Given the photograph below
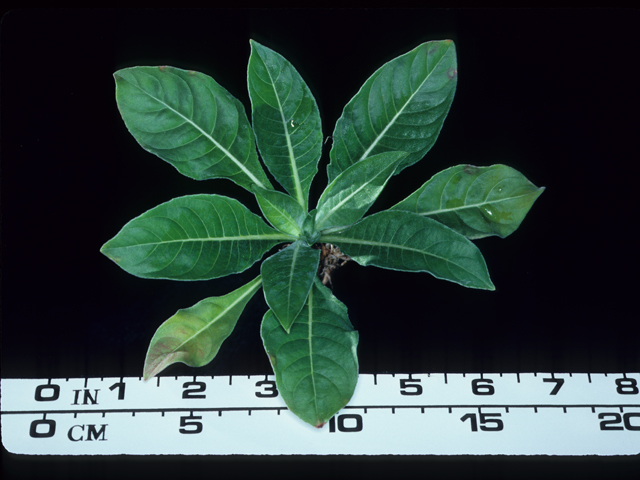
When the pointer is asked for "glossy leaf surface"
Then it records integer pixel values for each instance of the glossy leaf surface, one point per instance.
(405, 241)
(475, 201)
(282, 211)
(351, 194)
(288, 276)
(286, 121)
(190, 121)
(316, 364)
(401, 107)
(193, 335)
(196, 237)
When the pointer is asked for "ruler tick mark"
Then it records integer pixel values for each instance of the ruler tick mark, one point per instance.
(606, 410)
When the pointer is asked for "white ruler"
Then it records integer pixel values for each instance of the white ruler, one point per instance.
(418, 414)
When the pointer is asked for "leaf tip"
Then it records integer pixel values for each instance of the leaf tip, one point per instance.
(254, 45)
(320, 424)
(107, 253)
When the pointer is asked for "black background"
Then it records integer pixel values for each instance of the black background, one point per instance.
(552, 93)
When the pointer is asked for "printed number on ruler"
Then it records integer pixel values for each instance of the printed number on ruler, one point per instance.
(429, 413)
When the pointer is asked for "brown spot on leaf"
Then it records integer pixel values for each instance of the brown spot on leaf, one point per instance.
(192, 72)
(470, 169)
(452, 72)
(162, 68)
(320, 425)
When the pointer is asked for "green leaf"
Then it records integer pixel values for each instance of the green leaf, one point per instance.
(282, 211)
(193, 335)
(351, 194)
(405, 241)
(286, 121)
(309, 231)
(401, 107)
(288, 276)
(316, 364)
(196, 237)
(475, 201)
(190, 121)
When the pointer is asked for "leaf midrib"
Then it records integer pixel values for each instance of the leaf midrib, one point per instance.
(474, 205)
(338, 240)
(292, 159)
(282, 237)
(336, 207)
(310, 339)
(250, 292)
(291, 277)
(208, 136)
(395, 117)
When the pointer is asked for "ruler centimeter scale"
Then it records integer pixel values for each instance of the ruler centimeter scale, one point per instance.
(404, 414)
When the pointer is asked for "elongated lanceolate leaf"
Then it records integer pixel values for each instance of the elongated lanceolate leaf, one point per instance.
(475, 201)
(351, 194)
(286, 121)
(316, 364)
(401, 107)
(197, 237)
(193, 335)
(408, 242)
(288, 276)
(282, 211)
(190, 121)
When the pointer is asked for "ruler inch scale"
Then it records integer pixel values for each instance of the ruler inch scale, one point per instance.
(402, 414)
